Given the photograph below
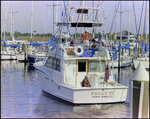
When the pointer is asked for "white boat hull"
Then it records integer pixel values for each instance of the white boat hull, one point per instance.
(8, 57)
(82, 95)
(20, 57)
(114, 64)
(145, 62)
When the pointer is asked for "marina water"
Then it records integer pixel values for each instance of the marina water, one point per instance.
(22, 96)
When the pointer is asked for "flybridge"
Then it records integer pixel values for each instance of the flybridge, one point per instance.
(80, 24)
(84, 10)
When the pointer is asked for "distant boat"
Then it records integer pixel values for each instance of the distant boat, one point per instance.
(125, 60)
(144, 55)
(11, 52)
(62, 73)
(143, 58)
(34, 52)
(35, 55)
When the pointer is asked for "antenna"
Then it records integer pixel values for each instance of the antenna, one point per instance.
(53, 13)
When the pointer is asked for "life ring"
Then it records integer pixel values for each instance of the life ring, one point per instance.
(77, 52)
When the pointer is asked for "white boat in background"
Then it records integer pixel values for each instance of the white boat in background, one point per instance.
(123, 64)
(125, 59)
(145, 62)
(131, 41)
(144, 54)
(36, 51)
(11, 53)
(62, 73)
(35, 55)
(143, 58)
(8, 55)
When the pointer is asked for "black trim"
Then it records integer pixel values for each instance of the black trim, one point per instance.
(83, 11)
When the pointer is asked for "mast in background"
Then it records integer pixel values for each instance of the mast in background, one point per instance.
(120, 21)
(128, 21)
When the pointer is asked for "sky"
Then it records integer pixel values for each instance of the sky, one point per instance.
(43, 15)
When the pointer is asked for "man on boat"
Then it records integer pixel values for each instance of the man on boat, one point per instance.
(85, 82)
(99, 44)
(85, 36)
(93, 44)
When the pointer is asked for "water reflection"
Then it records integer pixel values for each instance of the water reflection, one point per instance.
(30, 67)
(22, 96)
(49, 107)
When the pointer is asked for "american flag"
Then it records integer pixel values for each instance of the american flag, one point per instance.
(107, 74)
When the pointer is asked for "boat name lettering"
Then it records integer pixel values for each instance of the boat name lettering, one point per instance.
(102, 93)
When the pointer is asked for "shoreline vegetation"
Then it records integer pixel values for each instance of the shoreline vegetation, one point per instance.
(45, 39)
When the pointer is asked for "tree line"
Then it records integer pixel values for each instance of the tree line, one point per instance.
(27, 34)
(45, 35)
(50, 35)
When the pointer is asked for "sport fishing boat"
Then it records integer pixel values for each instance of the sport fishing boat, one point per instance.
(66, 66)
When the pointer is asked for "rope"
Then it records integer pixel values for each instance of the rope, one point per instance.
(144, 28)
(139, 27)
(113, 18)
(135, 17)
(67, 19)
(96, 15)
(78, 20)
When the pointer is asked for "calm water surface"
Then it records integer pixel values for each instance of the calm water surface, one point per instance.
(22, 96)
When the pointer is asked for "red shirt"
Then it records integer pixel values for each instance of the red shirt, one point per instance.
(85, 36)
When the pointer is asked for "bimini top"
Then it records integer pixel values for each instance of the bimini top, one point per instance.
(80, 24)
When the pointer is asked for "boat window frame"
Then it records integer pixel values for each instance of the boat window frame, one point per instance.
(54, 63)
(85, 66)
(58, 64)
(97, 61)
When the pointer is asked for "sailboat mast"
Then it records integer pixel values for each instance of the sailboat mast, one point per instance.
(11, 25)
(146, 24)
(82, 17)
(4, 20)
(93, 20)
(56, 13)
(53, 18)
(102, 18)
(13, 21)
(120, 21)
(31, 19)
(128, 21)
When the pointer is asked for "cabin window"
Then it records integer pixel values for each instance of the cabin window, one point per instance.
(58, 64)
(95, 66)
(54, 63)
(49, 62)
(82, 66)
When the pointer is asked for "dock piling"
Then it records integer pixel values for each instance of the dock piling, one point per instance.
(139, 93)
